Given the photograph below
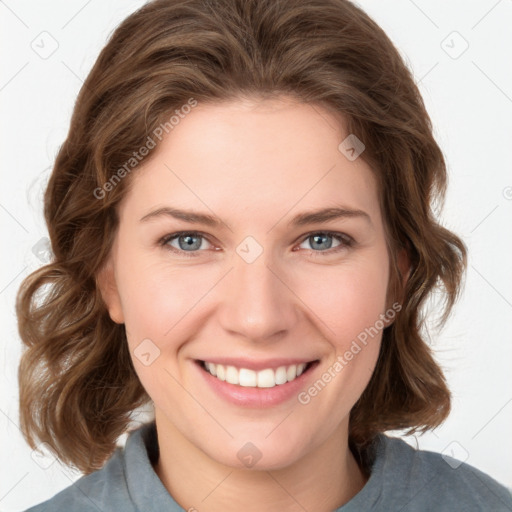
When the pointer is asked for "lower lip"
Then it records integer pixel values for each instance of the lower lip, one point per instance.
(256, 397)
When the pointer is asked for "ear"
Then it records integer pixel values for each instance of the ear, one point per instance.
(106, 283)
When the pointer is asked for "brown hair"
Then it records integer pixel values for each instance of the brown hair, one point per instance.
(77, 382)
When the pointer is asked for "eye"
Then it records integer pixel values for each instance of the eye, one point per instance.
(321, 242)
(185, 242)
(191, 243)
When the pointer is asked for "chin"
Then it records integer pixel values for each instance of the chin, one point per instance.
(255, 453)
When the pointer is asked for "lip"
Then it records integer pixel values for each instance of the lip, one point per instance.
(252, 396)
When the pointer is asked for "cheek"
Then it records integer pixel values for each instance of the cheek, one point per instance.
(155, 297)
(158, 303)
(346, 299)
(348, 302)
(163, 310)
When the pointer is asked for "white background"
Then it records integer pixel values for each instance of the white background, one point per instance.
(470, 101)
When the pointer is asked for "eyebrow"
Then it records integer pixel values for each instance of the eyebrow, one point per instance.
(327, 214)
(302, 219)
(185, 215)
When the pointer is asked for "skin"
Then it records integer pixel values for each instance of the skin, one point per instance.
(254, 164)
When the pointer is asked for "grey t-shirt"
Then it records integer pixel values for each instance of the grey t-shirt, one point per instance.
(402, 479)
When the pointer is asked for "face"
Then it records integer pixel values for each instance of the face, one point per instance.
(219, 260)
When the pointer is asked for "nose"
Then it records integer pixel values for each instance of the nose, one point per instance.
(258, 305)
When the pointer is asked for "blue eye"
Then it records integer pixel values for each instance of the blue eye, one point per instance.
(188, 242)
(322, 242)
(192, 243)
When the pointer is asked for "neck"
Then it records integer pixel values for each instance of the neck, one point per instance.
(323, 480)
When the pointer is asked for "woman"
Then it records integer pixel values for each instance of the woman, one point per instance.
(242, 232)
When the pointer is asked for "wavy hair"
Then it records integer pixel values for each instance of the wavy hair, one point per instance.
(78, 386)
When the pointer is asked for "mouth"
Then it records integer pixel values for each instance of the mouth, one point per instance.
(263, 378)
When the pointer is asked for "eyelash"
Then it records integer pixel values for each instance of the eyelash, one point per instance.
(345, 240)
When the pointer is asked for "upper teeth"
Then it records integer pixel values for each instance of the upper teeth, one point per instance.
(267, 378)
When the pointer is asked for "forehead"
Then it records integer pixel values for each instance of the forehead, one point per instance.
(265, 157)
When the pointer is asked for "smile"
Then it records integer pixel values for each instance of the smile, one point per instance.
(265, 378)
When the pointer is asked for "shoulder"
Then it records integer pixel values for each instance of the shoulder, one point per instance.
(120, 485)
(126, 483)
(104, 489)
(424, 480)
